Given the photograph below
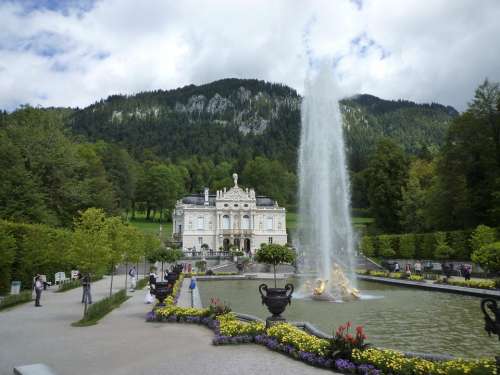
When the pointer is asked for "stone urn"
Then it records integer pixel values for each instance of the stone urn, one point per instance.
(276, 300)
(172, 277)
(161, 291)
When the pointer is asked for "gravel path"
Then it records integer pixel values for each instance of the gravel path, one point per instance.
(123, 343)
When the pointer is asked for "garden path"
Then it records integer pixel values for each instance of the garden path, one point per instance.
(122, 343)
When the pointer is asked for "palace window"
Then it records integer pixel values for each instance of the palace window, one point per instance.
(270, 240)
(226, 205)
(246, 205)
(201, 223)
(269, 223)
(235, 205)
(190, 225)
(200, 240)
(245, 222)
(225, 222)
(279, 225)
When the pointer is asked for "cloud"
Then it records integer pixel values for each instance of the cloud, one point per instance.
(86, 50)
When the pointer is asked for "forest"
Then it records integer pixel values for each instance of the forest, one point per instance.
(414, 167)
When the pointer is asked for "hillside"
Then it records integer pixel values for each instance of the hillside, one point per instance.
(239, 119)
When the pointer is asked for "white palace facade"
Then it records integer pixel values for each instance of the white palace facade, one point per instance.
(229, 217)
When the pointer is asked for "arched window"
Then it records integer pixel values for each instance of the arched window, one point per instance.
(225, 222)
(245, 222)
(269, 223)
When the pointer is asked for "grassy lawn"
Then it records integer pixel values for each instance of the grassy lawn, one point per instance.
(292, 219)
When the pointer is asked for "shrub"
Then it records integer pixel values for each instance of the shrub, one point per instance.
(8, 246)
(459, 244)
(367, 246)
(15, 299)
(488, 257)
(481, 236)
(385, 246)
(407, 246)
(99, 309)
(274, 255)
(443, 250)
(481, 284)
(428, 246)
(416, 278)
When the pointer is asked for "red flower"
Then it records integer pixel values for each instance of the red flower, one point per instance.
(359, 329)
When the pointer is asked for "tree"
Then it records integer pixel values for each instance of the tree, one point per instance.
(413, 213)
(481, 236)
(115, 230)
(488, 257)
(165, 254)
(274, 255)
(90, 243)
(387, 174)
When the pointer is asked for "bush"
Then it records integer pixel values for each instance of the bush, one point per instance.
(443, 250)
(458, 242)
(488, 257)
(99, 309)
(407, 246)
(481, 284)
(481, 236)
(385, 246)
(8, 246)
(15, 299)
(367, 247)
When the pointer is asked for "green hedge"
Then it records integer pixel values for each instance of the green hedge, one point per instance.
(99, 309)
(417, 246)
(32, 249)
(15, 299)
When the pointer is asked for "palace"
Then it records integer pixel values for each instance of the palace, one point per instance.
(230, 217)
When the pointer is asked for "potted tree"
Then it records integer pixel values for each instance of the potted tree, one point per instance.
(275, 298)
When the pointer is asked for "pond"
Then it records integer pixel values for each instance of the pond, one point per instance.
(394, 317)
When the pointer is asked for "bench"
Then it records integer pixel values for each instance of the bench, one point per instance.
(60, 277)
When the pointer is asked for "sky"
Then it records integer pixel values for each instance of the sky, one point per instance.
(75, 52)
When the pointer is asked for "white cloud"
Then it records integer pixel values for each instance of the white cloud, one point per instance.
(421, 51)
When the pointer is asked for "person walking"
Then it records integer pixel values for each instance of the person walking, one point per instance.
(38, 290)
(87, 296)
(133, 274)
(418, 268)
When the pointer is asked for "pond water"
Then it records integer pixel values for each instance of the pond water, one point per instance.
(394, 317)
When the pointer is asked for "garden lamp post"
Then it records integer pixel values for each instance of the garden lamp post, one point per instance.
(489, 306)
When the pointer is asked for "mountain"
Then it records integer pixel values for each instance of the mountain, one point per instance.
(240, 119)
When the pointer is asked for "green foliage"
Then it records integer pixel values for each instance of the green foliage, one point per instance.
(90, 243)
(387, 174)
(488, 257)
(99, 309)
(459, 244)
(481, 236)
(165, 254)
(428, 246)
(443, 250)
(367, 246)
(8, 253)
(38, 249)
(407, 246)
(385, 248)
(201, 265)
(15, 299)
(274, 254)
(73, 284)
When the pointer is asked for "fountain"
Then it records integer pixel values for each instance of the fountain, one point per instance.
(325, 237)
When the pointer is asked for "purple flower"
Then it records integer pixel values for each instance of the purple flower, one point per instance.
(345, 365)
(150, 316)
(365, 369)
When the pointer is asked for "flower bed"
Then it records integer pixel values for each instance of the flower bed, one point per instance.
(290, 340)
(391, 275)
(481, 284)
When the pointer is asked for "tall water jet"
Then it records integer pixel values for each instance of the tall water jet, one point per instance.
(325, 236)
